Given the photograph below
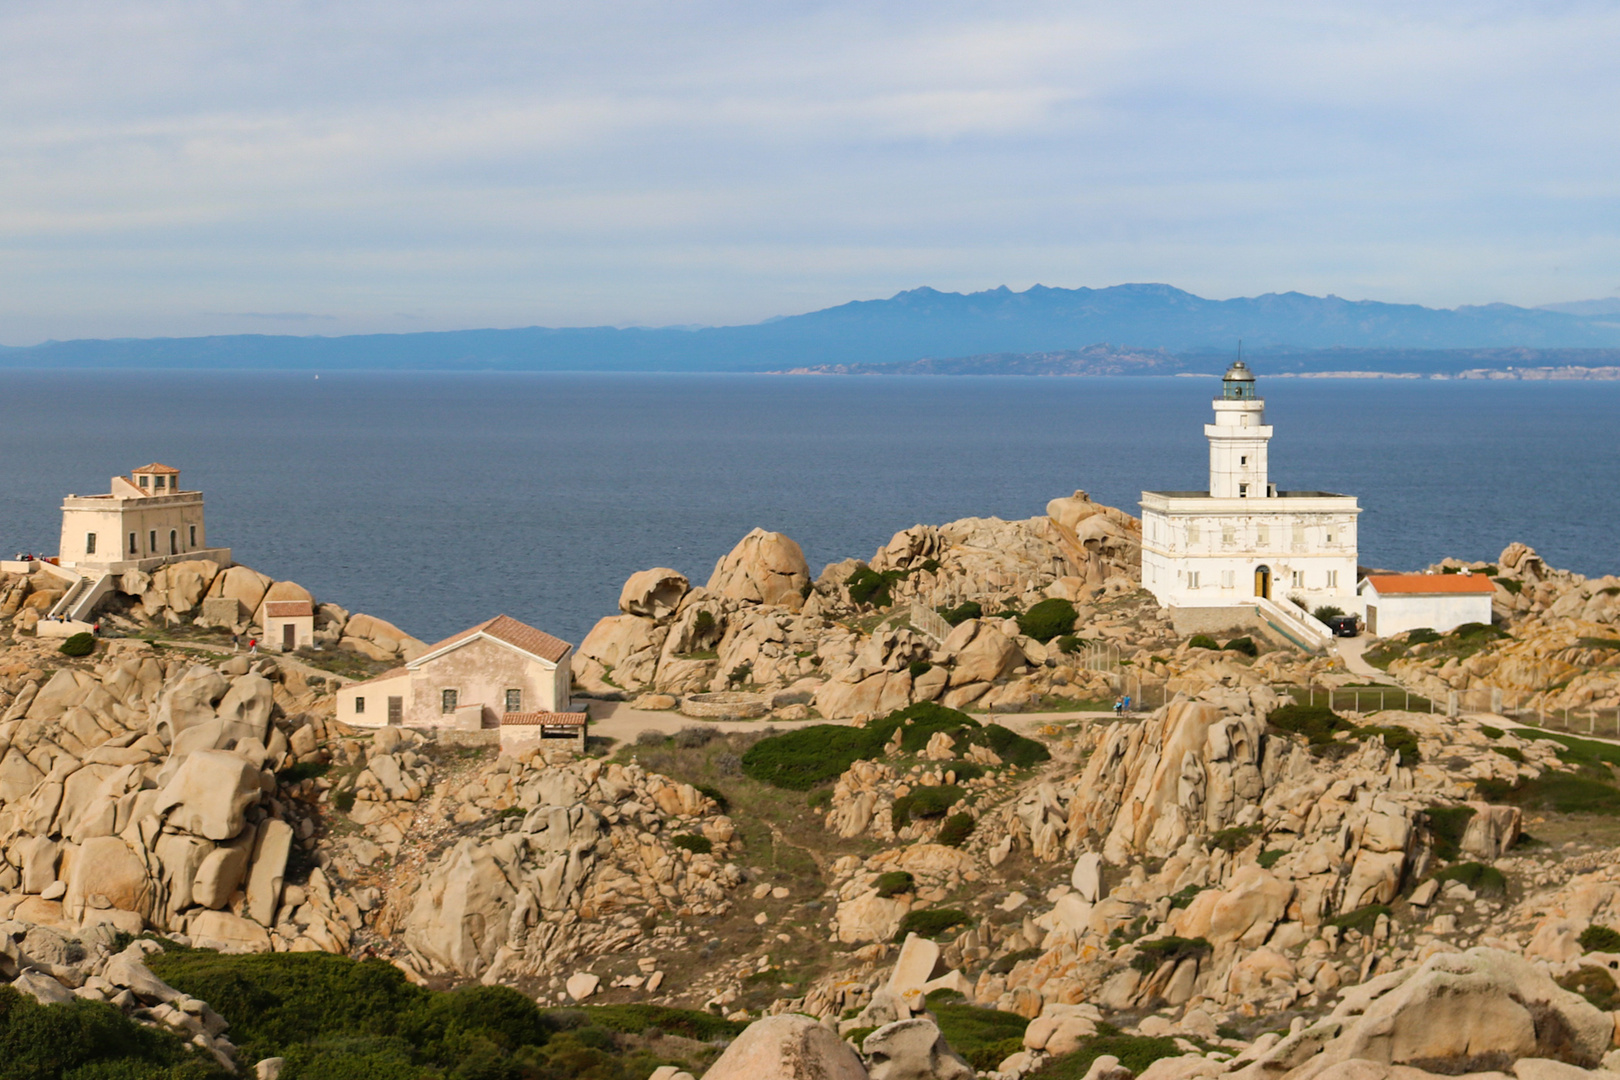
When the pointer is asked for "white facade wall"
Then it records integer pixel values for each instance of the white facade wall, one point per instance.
(152, 521)
(1205, 552)
(1397, 613)
(1237, 449)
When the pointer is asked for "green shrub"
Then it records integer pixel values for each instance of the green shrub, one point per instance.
(716, 794)
(918, 668)
(1594, 984)
(1234, 839)
(962, 612)
(1068, 644)
(799, 760)
(1202, 641)
(930, 922)
(1512, 586)
(895, 882)
(344, 800)
(1402, 740)
(1012, 747)
(1004, 965)
(92, 1040)
(1184, 896)
(1326, 612)
(868, 586)
(1512, 753)
(1152, 954)
(1269, 857)
(1484, 880)
(1447, 824)
(78, 645)
(1597, 938)
(1471, 630)
(986, 1037)
(702, 622)
(1244, 645)
(956, 830)
(697, 845)
(1135, 1052)
(924, 802)
(687, 1023)
(1047, 620)
(967, 770)
(820, 799)
(1362, 919)
(1564, 792)
(1316, 722)
(303, 770)
(1421, 636)
(1491, 732)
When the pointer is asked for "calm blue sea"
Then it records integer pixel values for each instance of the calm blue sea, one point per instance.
(438, 500)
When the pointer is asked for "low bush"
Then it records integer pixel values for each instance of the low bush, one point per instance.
(1234, 839)
(802, 759)
(694, 737)
(1047, 620)
(91, 1040)
(918, 668)
(1597, 938)
(1068, 644)
(922, 803)
(697, 845)
(716, 794)
(1005, 964)
(1484, 880)
(1244, 645)
(1447, 824)
(1270, 857)
(1202, 641)
(1512, 753)
(930, 922)
(1512, 586)
(1362, 919)
(1470, 631)
(303, 770)
(687, 1023)
(1184, 896)
(1491, 732)
(1421, 636)
(961, 613)
(1563, 792)
(895, 882)
(78, 645)
(651, 737)
(1326, 612)
(1594, 984)
(956, 830)
(344, 800)
(1402, 740)
(868, 586)
(1155, 952)
(1317, 723)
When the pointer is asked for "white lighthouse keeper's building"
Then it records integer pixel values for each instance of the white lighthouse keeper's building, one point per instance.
(1242, 540)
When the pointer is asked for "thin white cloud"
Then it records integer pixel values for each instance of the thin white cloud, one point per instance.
(164, 162)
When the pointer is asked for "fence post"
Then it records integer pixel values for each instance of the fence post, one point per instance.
(1451, 703)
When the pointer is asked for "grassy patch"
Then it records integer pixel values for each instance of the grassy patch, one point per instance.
(1577, 751)
(895, 882)
(1048, 619)
(1599, 939)
(956, 830)
(1563, 792)
(1484, 880)
(633, 1019)
(1234, 839)
(986, 1037)
(961, 613)
(1135, 1052)
(697, 845)
(1317, 723)
(922, 803)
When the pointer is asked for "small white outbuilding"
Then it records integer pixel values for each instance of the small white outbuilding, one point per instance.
(1397, 603)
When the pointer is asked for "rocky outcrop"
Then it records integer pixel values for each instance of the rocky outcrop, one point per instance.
(764, 568)
(787, 1047)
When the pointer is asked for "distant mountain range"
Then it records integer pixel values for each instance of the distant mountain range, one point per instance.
(1162, 326)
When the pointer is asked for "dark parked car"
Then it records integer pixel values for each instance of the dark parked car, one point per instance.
(1342, 625)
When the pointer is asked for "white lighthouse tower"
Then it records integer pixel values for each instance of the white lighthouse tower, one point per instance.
(1241, 542)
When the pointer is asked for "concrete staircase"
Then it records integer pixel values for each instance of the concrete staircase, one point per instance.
(82, 596)
(1295, 623)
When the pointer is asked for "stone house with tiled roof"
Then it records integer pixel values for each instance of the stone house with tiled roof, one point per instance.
(502, 675)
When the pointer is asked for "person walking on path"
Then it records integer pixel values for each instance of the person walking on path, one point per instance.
(1119, 706)
(253, 646)
(236, 643)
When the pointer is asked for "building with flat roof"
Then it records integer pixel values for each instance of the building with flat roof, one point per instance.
(145, 521)
(1242, 541)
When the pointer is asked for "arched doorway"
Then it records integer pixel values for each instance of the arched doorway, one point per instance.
(1262, 582)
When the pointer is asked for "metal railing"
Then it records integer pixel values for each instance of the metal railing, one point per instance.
(927, 621)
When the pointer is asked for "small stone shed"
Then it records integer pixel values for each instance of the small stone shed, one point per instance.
(288, 625)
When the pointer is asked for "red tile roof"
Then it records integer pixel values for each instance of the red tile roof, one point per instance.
(514, 633)
(549, 719)
(287, 609)
(1431, 584)
(155, 467)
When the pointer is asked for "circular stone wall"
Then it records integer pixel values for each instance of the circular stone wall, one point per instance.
(725, 705)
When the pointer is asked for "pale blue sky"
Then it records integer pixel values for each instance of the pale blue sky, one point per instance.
(333, 167)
